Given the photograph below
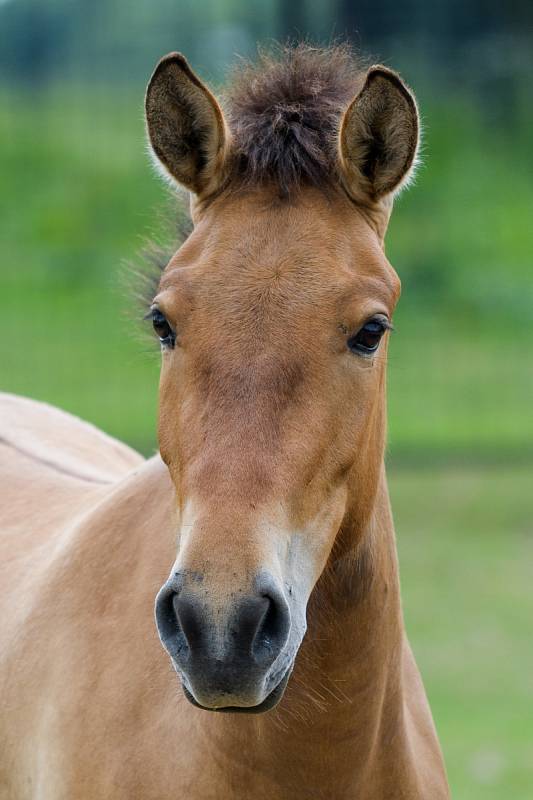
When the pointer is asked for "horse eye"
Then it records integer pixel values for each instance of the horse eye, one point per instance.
(167, 336)
(367, 339)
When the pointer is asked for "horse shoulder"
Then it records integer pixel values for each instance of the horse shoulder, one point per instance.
(80, 662)
(52, 467)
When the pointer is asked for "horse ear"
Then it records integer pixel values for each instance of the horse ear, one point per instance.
(379, 136)
(186, 126)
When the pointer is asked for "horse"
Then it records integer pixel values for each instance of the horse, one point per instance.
(262, 529)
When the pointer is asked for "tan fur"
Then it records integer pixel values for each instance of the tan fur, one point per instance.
(273, 435)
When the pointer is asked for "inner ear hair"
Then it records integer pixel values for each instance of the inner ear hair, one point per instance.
(185, 125)
(379, 135)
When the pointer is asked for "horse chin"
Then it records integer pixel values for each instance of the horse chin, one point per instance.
(270, 701)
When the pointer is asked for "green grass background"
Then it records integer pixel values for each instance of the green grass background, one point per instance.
(79, 200)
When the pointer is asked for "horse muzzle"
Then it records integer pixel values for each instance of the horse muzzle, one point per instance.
(231, 655)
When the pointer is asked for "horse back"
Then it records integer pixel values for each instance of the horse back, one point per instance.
(55, 440)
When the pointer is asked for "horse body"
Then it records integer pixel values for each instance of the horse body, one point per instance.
(281, 613)
(89, 703)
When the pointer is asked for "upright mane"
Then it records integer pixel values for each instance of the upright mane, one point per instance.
(284, 112)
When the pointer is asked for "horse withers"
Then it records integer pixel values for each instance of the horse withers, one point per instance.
(264, 527)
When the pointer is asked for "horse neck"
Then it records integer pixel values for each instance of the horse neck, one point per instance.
(355, 626)
(342, 717)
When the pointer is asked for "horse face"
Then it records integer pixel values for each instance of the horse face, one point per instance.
(271, 423)
(273, 319)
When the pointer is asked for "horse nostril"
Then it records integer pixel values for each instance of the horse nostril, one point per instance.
(188, 619)
(272, 629)
(168, 623)
(195, 634)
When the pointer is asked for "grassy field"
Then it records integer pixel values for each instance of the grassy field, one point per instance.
(465, 540)
(79, 200)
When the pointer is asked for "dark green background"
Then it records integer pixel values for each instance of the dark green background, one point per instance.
(79, 200)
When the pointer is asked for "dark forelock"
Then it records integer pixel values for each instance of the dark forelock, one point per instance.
(284, 112)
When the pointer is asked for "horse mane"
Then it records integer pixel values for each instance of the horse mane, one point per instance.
(140, 276)
(284, 112)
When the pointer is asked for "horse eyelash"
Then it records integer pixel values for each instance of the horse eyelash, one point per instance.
(149, 314)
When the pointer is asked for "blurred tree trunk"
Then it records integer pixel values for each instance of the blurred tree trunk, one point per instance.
(347, 18)
(367, 19)
(292, 19)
